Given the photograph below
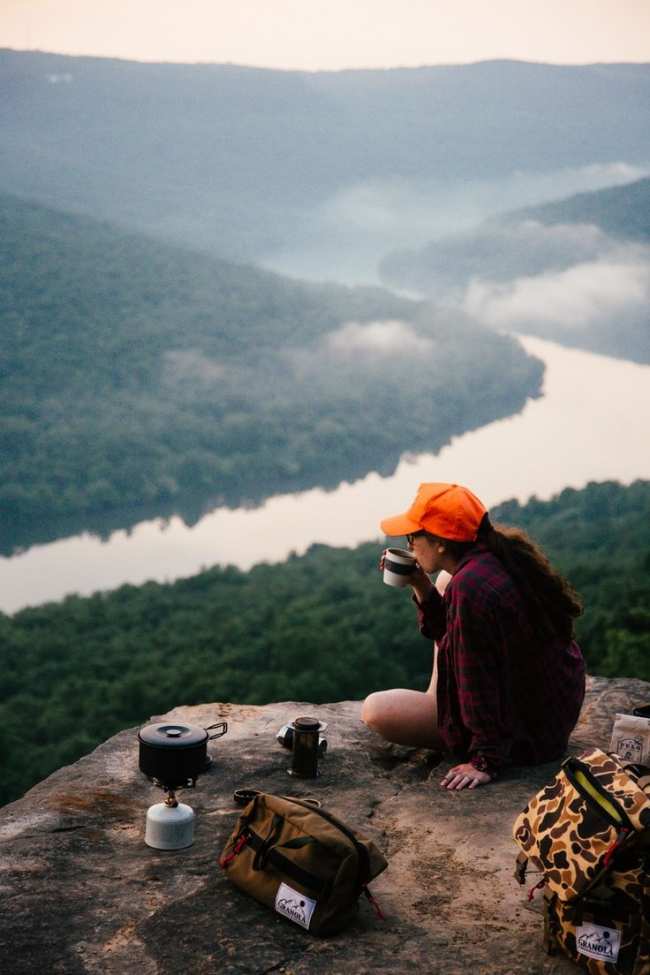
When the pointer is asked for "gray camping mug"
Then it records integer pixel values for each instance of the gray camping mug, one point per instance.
(399, 565)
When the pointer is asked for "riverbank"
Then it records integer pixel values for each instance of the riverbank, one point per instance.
(584, 427)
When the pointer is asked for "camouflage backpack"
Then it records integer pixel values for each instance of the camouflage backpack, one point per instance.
(587, 834)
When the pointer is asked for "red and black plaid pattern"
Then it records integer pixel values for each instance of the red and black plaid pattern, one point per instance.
(506, 695)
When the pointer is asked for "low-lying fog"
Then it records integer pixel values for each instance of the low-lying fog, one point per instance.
(464, 246)
(346, 238)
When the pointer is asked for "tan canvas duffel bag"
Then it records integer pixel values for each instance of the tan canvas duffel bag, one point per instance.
(301, 861)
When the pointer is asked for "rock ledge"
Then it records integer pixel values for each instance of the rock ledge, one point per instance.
(82, 894)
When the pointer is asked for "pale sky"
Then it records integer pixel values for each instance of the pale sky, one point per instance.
(332, 34)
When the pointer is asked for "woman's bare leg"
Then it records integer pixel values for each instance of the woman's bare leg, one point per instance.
(402, 716)
(442, 581)
(408, 717)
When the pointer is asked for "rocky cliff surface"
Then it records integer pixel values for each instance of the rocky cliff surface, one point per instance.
(81, 894)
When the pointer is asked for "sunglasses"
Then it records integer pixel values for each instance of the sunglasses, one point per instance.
(409, 538)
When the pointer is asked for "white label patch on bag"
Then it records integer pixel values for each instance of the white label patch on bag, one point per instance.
(297, 907)
(598, 942)
(630, 749)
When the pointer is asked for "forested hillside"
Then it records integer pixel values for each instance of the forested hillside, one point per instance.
(317, 628)
(136, 372)
(620, 210)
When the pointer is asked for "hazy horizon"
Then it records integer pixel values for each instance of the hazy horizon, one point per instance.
(295, 70)
(311, 36)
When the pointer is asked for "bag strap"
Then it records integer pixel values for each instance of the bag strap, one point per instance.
(286, 866)
(521, 867)
(261, 847)
(550, 938)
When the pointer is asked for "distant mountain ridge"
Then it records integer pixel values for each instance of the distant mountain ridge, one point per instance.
(234, 159)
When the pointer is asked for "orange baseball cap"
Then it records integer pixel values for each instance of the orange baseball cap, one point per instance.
(447, 510)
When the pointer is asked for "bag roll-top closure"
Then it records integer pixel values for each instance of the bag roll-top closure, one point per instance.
(613, 785)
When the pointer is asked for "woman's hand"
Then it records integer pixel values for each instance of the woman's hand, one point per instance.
(419, 581)
(465, 777)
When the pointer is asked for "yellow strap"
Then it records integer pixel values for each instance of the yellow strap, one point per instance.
(609, 808)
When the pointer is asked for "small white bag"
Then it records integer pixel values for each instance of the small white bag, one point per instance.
(631, 739)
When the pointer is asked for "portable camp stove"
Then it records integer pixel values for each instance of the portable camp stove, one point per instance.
(172, 756)
(170, 824)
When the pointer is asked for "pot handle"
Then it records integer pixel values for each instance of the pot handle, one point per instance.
(221, 725)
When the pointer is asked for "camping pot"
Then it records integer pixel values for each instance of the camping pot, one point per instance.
(175, 754)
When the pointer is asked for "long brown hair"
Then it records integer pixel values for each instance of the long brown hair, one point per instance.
(551, 602)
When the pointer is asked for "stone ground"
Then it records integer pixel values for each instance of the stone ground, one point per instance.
(81, 894)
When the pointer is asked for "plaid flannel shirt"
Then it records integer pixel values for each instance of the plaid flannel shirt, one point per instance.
(504, 694)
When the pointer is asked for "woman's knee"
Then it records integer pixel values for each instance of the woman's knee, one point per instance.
(402, 716)
(373, 709)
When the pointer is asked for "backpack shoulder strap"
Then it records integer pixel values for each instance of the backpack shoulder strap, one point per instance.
(521, 866)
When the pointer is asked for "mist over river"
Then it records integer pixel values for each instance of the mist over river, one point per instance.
(591, 424)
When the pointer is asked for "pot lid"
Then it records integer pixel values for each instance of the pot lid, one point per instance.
(306, 724)
(172, 735)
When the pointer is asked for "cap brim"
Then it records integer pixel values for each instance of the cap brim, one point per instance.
(399, 525)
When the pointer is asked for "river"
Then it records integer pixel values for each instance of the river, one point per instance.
(590, 425)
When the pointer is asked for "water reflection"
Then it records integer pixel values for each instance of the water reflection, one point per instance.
(19, 537)
(586, 427)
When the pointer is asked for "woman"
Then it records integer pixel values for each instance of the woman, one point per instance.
(510, 678)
